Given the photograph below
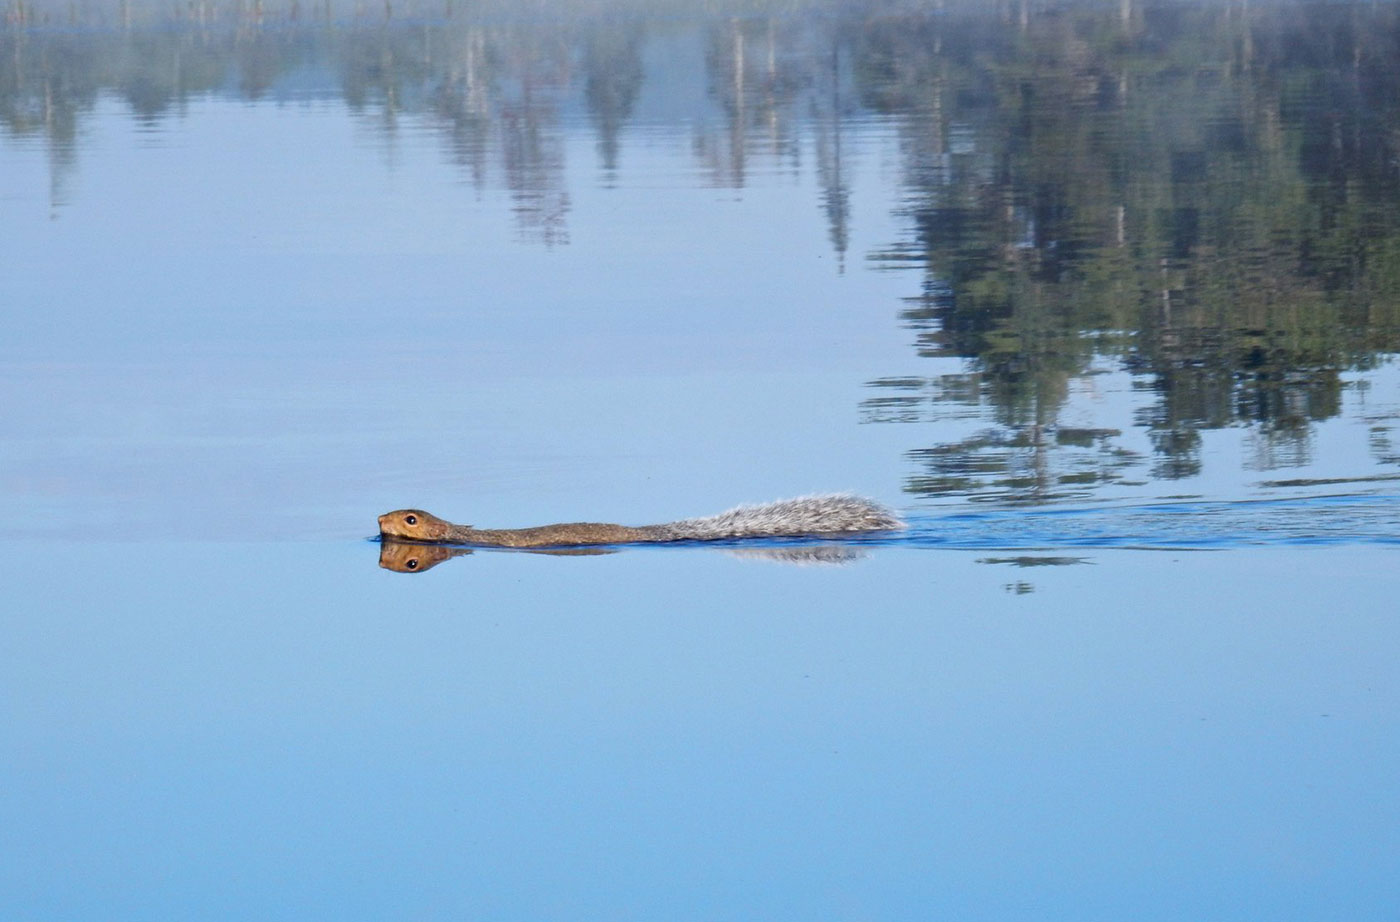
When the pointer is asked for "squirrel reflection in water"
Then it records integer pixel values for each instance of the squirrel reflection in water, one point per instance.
(431, 540)
(412, 557)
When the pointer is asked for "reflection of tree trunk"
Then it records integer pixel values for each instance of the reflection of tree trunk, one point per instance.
(836, 193)
(50, 135)
(771, 82)
(739, 116)
(613, 64)
(940, 141)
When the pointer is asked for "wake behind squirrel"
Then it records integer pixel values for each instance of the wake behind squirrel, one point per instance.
(832, 515)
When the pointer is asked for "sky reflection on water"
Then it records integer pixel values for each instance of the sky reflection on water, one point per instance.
(282, 731)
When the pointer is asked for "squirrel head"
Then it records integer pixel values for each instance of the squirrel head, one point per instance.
(413, 525)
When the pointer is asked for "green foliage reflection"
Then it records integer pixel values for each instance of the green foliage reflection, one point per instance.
(1201, 195)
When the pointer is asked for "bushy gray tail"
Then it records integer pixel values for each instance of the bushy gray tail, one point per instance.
(832, 514)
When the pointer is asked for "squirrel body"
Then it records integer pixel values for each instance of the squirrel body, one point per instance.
(807, 516)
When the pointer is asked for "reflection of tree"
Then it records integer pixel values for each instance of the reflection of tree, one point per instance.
(38, 99)
(51, 81)
(1200, 195)
(1207, 191)
(829, 111)
(1031, 462)
(766, 76)
(494, 93)
(461, 104)
(751, 80)
(496, 89)
(537, 63)
(612, 62)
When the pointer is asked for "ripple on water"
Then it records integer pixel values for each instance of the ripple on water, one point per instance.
(1368, 518)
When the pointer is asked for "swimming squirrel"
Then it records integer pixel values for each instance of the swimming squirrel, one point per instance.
(831, 515)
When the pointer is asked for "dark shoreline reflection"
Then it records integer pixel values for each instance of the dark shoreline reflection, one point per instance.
(1202, 196)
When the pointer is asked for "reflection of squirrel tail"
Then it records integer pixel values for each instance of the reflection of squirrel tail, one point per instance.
(831, 514)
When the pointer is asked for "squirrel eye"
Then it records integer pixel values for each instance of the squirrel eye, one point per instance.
(411, 519)
(412, 564)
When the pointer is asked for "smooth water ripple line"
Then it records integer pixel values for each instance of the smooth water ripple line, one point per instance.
(1312, 520)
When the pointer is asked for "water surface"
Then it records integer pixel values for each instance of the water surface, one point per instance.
(1102, 298)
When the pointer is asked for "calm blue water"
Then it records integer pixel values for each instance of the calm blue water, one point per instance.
(1102, 300)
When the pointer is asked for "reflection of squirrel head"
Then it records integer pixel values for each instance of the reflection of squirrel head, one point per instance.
(414, 525)
(415, 558)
